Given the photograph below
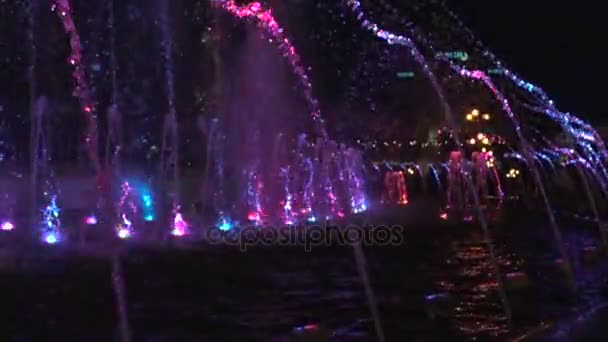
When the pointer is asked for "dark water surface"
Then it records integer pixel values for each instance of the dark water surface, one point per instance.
(437, 285)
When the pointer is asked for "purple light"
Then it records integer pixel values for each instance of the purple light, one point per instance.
(90, 220)
(7, 226)
(266, 21)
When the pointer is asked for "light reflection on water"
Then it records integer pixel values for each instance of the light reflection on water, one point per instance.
(437, 285)
(469, 280)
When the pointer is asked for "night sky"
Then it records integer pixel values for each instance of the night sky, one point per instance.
(554, 44)
(556, 47)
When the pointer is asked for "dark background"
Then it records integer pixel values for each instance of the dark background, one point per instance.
(555, 44)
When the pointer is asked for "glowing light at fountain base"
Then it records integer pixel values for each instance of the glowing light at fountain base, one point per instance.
(180, 226)
(224, 225)
(123, 233)
(124, 230)
(51, 238)
(90, 220)
(7, 226)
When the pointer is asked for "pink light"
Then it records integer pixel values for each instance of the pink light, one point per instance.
(253, 216)
(266, 21)
(180, 226)
(7, 226)
(90, 220)
(443, 216)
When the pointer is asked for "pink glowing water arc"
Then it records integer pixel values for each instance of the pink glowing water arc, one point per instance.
(266, 21)
(81, 90)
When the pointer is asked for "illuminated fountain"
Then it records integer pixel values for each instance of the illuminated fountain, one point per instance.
(266, 163)
(456, 192)
(127, 212)
(261, 169)
(395, 188)
(584, 146)
(169, 158)
(42, 177)
(485, 171)
(303, 179)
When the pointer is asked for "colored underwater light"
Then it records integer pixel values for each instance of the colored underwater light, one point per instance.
(124, 233)
(147, 200)
(51, 238)
(225, 225)
(180, 226)
(124, 229)
(148, 207)
(51, 223)
(253, 216)
(7, 226)
(360, 209)
(90, 220)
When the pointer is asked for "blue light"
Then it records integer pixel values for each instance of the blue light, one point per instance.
(148, 204)
(225, 225)
(51, 238)
(147, 200)
(312, 219)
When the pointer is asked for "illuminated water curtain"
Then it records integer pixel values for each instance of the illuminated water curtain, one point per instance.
(180, 226)
(51, 224)
(82, 90)
(583, 139)
(395, 188)
(127, 212)
(147, 206)
(266, 21)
